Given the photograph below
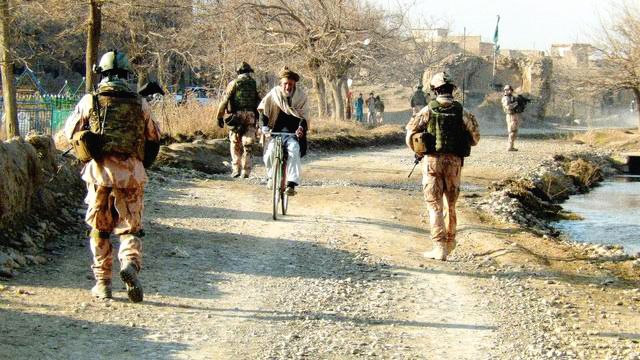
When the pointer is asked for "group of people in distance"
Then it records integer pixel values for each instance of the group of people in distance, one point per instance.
(374, 106)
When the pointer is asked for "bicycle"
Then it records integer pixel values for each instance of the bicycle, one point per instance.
(279, 174)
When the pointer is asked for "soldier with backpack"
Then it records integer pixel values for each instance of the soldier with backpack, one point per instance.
(240, 104)
(443, 132)
(114, 132)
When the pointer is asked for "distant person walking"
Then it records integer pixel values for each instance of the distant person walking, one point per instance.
(371, 109)
(509, 104)
(359, 107)
(418, 99)
(379, 105)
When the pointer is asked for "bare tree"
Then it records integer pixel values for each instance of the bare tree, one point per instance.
(6, 66)
(94, 25)
(619, 51)
(325, 38)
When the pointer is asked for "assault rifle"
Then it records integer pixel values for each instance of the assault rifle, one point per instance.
(415, 163)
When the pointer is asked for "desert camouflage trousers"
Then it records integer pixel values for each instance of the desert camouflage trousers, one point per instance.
(441, 187)
(513, 121)
(242, 143)
(119, 211)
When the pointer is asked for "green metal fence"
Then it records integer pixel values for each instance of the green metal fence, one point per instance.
(44, 115)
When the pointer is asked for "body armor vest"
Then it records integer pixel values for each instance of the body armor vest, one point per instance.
(446, 128)
(245, 97)
(117, 116)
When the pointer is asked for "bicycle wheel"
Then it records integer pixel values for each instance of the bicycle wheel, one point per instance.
(275, 178)
(284, 198)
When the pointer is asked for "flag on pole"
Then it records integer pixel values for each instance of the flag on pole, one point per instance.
(495, 34)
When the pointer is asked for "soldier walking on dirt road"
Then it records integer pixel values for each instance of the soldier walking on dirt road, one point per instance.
(115, 175)
(444, 132)
(509, 104)
(240, 103)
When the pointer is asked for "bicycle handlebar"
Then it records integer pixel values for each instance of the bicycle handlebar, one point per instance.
(271, 133)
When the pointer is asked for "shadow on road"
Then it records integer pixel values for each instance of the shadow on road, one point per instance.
(61, 337)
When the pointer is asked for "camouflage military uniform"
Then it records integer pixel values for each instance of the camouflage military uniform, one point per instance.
(509, 103)
(241, 99)
(441, 171)
(115, 187)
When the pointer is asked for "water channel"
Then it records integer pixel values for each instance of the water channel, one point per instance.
(611, 214)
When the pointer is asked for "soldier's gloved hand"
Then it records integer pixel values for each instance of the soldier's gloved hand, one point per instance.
(265, 130)
(220, 123)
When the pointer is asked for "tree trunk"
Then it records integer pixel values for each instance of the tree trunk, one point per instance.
(338, 103)
(8, 78)
(93, 42)
(161, 75)
(344, 95)
(636, 92)
(143, 77)
(329, 98)
(321, 95)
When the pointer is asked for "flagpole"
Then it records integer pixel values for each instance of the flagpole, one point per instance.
(495, 54)
(464, 64)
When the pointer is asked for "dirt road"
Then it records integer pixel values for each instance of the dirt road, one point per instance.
(340, 277)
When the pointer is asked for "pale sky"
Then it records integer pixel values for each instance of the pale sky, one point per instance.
(524, 24)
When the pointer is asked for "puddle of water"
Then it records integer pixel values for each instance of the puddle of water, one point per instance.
(611, 214)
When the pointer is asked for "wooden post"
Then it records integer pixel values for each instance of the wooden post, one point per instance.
(8, 78)
(94, 26)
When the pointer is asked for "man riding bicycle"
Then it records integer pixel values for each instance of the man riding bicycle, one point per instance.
(282, 110)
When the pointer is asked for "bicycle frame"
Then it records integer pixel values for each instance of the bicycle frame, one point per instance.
(279, 173)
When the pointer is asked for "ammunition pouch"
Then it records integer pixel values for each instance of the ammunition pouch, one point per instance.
(233, 122)
(87, 145)
(423, 143)
(151, 150)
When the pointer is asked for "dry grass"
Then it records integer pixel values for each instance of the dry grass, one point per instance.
(190, 118)
(619, 140)
(327, 128)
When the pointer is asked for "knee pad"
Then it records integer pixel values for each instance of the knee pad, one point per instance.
(99, 235)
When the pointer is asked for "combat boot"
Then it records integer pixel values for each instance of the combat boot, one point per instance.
(439, 251)
(129, 275)
(451, 245)
(102, 289)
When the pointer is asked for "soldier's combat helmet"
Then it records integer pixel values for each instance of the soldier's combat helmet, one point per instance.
(244, 68)
(507, 87)
(113, 62)
(440, 79)
(419, 87)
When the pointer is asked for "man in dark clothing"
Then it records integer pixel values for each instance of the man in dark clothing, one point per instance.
(418, 100)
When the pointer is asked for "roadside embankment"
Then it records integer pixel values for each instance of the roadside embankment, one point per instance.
(527, 204)
(532, 200)
(39, 190)
(212, 156)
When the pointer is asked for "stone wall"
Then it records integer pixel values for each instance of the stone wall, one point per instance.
(529, 75)
(40, 191)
